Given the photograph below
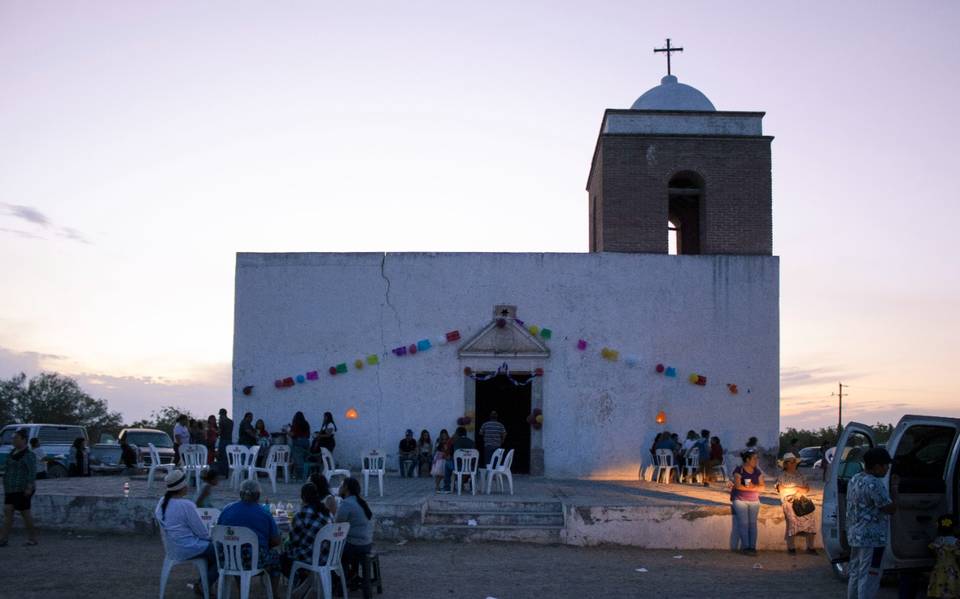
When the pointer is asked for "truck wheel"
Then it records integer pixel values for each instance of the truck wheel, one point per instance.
(56, 471)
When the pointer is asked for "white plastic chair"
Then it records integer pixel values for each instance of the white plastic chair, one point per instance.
(501, 472)
(156, 465)
(465, 462)
(274, 457)
(665, 464)
(194, 460)
(228, 541)
(691, 467)
(373, 463)
(209, 516)
(483, 474)
(330, 469)
(336, 536)
(169, 563)
(283, 461)
(237, 461)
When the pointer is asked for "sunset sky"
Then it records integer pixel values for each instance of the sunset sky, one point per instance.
(144, 144)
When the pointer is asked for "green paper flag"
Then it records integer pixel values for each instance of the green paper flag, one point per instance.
(373, 359)
(341, 368)
(546, 333)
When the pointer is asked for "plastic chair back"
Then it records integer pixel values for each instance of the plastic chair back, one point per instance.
(495, 459)
(327, 458)
(154, 455)
(664, 458)
(278, 456)
(465, 461)
(228, 541)
(336, 536)
(252, 452)
(236, 456)
(373, 461)
(507, 462)
(209, 516)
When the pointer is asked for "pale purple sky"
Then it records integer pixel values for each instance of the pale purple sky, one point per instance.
(145, 143)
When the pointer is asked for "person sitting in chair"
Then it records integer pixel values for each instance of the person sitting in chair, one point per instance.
(248, 513)
(408, 455)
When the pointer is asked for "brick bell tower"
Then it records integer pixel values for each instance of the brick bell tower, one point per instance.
(674, 175)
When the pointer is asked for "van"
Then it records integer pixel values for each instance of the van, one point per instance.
(925, 451)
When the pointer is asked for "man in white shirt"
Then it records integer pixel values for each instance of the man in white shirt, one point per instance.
(41, 458)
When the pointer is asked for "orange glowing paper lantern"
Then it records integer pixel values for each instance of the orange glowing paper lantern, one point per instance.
(661, 417)
(352, 414)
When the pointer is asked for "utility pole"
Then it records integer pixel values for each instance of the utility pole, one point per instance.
(840, 407)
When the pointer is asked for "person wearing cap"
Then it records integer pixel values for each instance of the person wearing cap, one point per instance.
(408, 455)
(187, 536)
(869, 506)
(791, 485)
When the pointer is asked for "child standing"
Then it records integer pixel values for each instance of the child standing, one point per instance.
(440, 459)
(945, 578)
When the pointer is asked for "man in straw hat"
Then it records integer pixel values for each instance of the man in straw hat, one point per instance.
(186, 534)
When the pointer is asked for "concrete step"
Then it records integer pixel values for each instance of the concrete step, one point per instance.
(494, 518)
(468, 503)
(543, 535)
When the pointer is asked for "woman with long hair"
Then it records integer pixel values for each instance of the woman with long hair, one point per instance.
(299, 442)
(326, 495)
(424, 453)
(440, 459)
(79, 464)
(327, 431)
(186, 535)
(355, 511)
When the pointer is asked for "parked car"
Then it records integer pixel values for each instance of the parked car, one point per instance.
(55, 440)
(925, 451)
(808, 456)
(141, 439)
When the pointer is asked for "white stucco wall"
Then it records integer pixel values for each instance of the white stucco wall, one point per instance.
(715, 315)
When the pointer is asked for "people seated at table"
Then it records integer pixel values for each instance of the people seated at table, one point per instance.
(354, 511)
(312, 517)
(187, 536)
(424, 453)
(408, 455)
(248, 513)
(326, 495)
(460, 440)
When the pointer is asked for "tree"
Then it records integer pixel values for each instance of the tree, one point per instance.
(57, 399)
(163, 419)
(807, 438)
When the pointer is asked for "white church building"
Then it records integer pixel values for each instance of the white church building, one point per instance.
(669, 322)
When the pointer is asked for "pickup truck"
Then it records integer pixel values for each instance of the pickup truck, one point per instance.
(926, 466)
(55, 440)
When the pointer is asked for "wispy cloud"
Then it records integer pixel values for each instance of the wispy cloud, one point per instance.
(39, 221)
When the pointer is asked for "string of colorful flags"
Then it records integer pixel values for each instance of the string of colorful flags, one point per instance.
(424, 345)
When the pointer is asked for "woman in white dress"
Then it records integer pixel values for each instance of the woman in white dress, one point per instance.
(791, 484)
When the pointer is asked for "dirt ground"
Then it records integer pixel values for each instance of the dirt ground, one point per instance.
(125, 566)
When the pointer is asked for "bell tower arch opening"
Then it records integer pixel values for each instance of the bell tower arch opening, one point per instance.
(685, 192)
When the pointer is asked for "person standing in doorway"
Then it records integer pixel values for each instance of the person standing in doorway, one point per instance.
(494, 434)
(869, 506)
(225, 426)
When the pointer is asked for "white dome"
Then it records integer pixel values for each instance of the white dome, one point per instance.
(672, 95)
